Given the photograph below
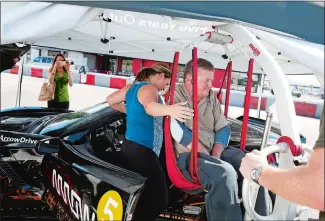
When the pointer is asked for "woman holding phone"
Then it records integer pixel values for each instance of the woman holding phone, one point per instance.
(60, 74)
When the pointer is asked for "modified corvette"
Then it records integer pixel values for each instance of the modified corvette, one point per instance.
(66, 165)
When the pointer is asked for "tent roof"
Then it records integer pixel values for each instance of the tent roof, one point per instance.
(145, 35)
(302, 19)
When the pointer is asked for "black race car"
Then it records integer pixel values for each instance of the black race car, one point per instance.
(66, 165)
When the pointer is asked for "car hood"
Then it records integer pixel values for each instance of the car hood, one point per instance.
(254, 133)
(62, 124)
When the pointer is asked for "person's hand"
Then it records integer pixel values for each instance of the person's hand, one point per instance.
(67, 65)
(56, 64)
(251, 161)
(181, 113)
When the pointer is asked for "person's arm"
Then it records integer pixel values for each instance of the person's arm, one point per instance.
(221, 141)
(70, 79)
(51, 74)
(148, 97)
(303, 185)
(221, 129)
(67, 67)
(116, 98)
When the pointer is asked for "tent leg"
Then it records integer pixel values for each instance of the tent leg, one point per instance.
(228, 73)
(20, 80)
(260, 92)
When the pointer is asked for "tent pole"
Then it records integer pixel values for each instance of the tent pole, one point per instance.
(260, 92)
(229, 72)
(20, 79)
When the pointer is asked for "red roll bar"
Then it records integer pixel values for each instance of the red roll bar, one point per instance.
(174, 173)
(247, 104)
(227, 75)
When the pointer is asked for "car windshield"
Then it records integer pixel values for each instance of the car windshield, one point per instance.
(76, 119)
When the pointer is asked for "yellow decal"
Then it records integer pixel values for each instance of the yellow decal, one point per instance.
(110, 207)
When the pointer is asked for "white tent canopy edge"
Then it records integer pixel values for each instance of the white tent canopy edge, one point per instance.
(136, 35)
(37, 22)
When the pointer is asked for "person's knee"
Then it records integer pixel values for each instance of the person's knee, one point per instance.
(225, 177)
(231, 172)
(223, 191)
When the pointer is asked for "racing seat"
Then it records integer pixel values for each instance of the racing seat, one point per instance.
(194, 192)
(174, 173)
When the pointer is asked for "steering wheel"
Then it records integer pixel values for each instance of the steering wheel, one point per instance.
(109, 133)
(246, 190)
(114, 134)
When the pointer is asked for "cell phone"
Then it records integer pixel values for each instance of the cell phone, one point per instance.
(63, 62)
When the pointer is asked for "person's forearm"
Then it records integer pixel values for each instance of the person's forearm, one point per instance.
(157, 110)
(51, 78)
(303, 185)
(70, 79)
(119, 107)
(217, 150)
(201, 148)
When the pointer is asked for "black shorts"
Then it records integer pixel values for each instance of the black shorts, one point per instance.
(58, 105)
(144, 161)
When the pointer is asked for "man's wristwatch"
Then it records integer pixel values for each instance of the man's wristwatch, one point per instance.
(256, 173)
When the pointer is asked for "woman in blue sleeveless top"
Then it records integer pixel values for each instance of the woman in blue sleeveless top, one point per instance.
(144, 134)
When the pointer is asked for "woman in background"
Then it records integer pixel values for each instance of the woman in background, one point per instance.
(60, 74)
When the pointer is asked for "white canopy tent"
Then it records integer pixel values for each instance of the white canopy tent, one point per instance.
(157, 37)
(141, 35)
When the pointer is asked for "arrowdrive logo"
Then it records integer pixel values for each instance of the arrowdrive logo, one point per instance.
(17, 139)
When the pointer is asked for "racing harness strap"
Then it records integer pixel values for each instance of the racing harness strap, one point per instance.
(174, 173)
(194, 171)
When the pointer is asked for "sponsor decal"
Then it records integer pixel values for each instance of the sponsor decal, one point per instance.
(133, 20)
(110, 207)
(79, 209)
(255, 50)
(17, 139)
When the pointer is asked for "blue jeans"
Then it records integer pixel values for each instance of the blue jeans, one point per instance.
(223, 180)
(219, 178)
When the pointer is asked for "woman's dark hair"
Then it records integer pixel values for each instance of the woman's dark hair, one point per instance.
(162, 68)
(55, 58)
(145, 73)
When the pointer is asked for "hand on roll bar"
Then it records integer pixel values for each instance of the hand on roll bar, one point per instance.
(256, 159)
(252, 160)
(254, 167)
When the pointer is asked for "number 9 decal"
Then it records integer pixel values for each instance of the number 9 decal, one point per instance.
(110, 207)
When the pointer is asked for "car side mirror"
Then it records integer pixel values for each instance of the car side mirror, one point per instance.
(48, 145)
